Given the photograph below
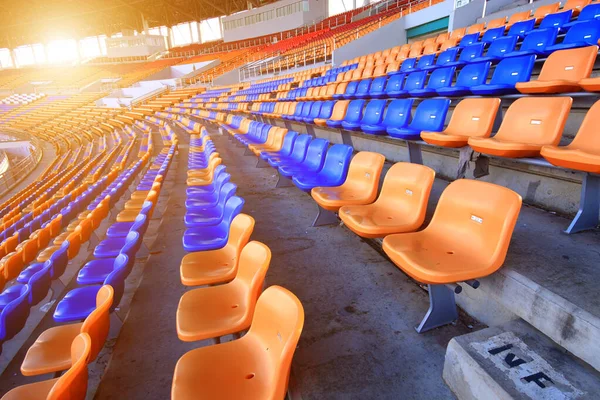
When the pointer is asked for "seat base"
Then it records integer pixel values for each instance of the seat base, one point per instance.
(442, 308)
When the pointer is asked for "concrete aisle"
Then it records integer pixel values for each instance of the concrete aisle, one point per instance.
(358, 340)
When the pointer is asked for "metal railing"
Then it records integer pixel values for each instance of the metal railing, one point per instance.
(20, 170)
(149, 96)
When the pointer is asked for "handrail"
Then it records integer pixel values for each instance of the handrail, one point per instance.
(148, 96)
(19, 171)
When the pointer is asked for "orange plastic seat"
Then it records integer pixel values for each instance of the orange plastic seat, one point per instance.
(216, 311)
(475, 28)
(12, 264)
(400, 207)
(471, 118)
(218, 266)
(457, 33)
(360, 186)
(518, 17)
(273, 143)
(562, 71)
(257, 366)
(337, 114)
(542, 11)
(72, 385)
(529, 124)
(583, 153)
(575, 6)
(51, 351)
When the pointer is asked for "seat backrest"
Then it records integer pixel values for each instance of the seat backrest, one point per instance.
(276, 326)
(447, 56)
(589, 12)
(569, 65)
(511, 70)
(395, 83)
(502, 45)
(315, 154)
(378, 85)
(483, 212)
(415, 80)
(476, 28)
(542, 11)
(496, 23)
(300, 146)
(355, 111)
(326, 109)
(373, 112)
(586, 32)
(339, 110)
(39, 283)
(252, 268)
(133, 242)
(519, 16)
(426, 61)
(492, 34)
(397, 114)
(539, 39)
(471, 51)
(469, 39)
(575, 5)
(74, 240)
(587, 137)
(556, 20)
(288, 142)
(97, 324)
(364, 172)
(408, 64)
(240, 231)
(473, 74)
(337, 161)
(364, 86)
(116, 279)
(60, 259)
(14, 315)
(430, 115)
(535, 120)
(441, 77)
(473, 117)
(521, 28)
(73, 383)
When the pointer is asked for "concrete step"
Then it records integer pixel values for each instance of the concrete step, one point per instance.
(515, 361)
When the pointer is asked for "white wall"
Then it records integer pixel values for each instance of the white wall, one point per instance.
(150, 45)
(317, 11)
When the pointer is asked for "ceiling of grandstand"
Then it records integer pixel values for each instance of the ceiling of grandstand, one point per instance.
(36, 21)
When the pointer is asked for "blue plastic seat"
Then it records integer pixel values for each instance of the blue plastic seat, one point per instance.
(372, 118)
(214, 237)
(210, 215)
(407, 66)
(326, 110)
(508, 72)
(10, 294)
(536, 43)
(445, 57)
(521, 29)
(333, 173)
(394, 85)
(470, 75)
(111, 247)
(498, 49)
(424, 62)
(579, 35)
(491, 35)
(588, 13)
(296, 156)
(439, 78)
(469, 39)
(59, 261)
(14, 315)
(397, 116)
(353, 115)
(96, 271)
(467, 55)
(350, 90)
(202, 197)
(377, 89)
(78, 303)
(305, 113)
(313, 161)
(315, 109)
(430, 116)
(414, 80)
(297, 112)
(40, 284)
(362, 90)
(286, 146)
(556, 20)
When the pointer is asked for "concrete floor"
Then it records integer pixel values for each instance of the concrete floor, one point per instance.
(358, 340)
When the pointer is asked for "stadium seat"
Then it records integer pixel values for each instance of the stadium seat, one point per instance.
(521, 29)
(14, 314)
(337, 115)
(470, 75)
(218, 266)
(471, 118)
(529, 124)
(484, 213)
(579, 35)
(424, 62)
(333, 172)
(71, 385)
(241, 368)
(467, 55)
(51, 352)
(373, 115)
(377, 89)
(556, 20)
(439, 78)
(396, 116)
(588, 12)
(353, 115)
(583, 153)
(443, 58)
(498, 48)
(469, 39)
(296, 156)
(490, 35)
(213, 237)
(360, 186)
(508, 72)
(400, 207)
(430, 115)
(212, 312)
(562, 71)
(414, 80)
(362, 91)
(536, 42)
(394, 86)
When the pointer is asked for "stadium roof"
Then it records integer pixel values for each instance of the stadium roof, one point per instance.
(36, 21)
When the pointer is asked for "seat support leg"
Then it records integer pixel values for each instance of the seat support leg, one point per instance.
(143, 252)
(325, 217)
(414, 152)
(442, 308)
(248, 152)
(282, 181)
(589, 205)
(260, 163)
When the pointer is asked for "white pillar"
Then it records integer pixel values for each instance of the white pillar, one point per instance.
(13, 55)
